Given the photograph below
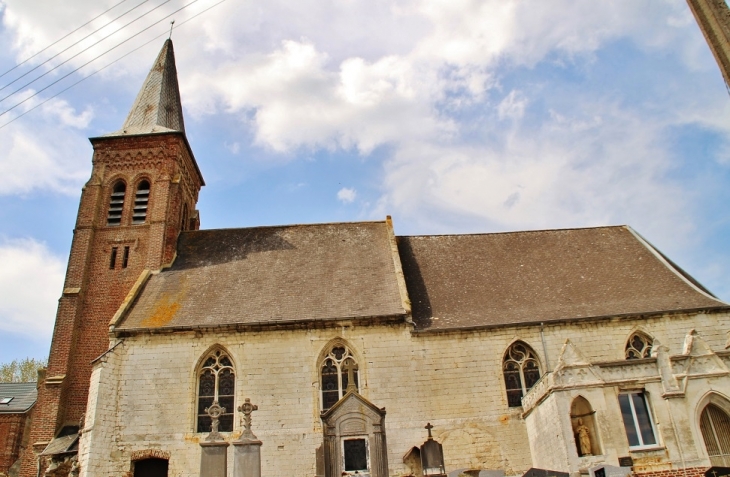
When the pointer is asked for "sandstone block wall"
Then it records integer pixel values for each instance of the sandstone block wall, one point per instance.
(143, 396)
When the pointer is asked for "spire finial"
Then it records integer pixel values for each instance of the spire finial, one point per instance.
(172, 25)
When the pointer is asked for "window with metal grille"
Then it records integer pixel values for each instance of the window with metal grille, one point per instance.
(638, 346)
(141, 199)
(521, 371)
(216, 383)
(116, 204)
(355, 456)
(715, 427)
(637, 419)
(334, 375)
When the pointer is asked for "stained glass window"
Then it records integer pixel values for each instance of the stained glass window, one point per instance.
(521, 371)
(334, 375)
(216, 382)
(638, 346)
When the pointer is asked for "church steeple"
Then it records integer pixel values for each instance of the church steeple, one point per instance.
(157, 108)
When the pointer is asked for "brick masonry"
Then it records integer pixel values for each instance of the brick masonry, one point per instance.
(92, 291)
(13, 430)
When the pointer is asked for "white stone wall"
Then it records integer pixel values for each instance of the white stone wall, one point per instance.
(143, 397)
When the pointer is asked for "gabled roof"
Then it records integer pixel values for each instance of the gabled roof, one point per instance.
(157, 108)
(23, 396)
(472, 281)
(273, 275)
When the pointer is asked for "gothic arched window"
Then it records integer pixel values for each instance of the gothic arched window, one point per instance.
(141, 198)
(638, 346)
(334, 374)
(715, 427)
(521, 371)
(116, 204)
(216, 382)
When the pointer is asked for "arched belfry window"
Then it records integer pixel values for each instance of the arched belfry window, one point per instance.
(638, 346)
(334, 374)
(715, 427)
(116, 204)
(141, 198)
(521, 371)
(216, 382)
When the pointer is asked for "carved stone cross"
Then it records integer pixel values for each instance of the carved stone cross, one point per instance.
(350, 367)
(428, 428)
(246, 409)
(214, 412)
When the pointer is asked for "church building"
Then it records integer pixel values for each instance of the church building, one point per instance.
(566, 350)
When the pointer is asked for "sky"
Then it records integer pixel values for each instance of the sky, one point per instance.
(452, 116)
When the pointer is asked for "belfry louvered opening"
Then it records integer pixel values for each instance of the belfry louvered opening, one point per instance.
(116, 204)
(141, 199)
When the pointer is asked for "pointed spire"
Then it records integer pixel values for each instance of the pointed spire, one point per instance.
(157, 107)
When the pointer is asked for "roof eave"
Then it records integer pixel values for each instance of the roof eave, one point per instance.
(621, 316)
(264, 325)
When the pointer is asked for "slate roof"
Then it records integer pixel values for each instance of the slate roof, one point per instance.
(24, 396)
(157, 108)
(273, 275)
(471, 281)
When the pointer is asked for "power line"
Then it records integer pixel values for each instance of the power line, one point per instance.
(77, 54)
(61, 39)
(103, 68)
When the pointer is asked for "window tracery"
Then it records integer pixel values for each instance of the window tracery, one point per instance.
(638, 346)
(216, 382)
(521, 371)
(333, 373)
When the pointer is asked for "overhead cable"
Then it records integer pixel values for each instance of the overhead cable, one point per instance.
(94, 59)
(62, 38)
(73, 56)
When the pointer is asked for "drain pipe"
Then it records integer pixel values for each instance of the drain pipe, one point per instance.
(544, 348)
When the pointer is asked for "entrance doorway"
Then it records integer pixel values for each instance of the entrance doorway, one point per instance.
(150, 468)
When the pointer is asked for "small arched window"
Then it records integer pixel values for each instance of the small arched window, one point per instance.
(334, 375)
(715, 427)
(638, 346)
(521, 371)
(216, 383)
(141, 198)
(116, 204)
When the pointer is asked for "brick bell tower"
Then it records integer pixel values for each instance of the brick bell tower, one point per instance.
(142, 193)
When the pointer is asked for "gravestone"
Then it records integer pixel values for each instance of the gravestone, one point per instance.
(214, 450)
(533, 472)
(609, 471)
(247, 449)
(718, 472)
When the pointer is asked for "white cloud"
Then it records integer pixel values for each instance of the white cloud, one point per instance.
(31, 280)
(347, 195)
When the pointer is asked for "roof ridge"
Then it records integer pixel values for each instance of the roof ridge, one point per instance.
(516, 232)
(283, 226)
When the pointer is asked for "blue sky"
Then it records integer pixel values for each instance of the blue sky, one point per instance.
(452, 116)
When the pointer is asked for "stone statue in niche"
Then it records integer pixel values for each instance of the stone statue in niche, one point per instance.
(584, 438)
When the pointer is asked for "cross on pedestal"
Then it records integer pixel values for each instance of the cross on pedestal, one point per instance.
(350, 367)
(428, 428)
(247, 408)
(214, 412)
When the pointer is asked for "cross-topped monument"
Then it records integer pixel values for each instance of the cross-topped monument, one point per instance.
(214, 411)
(350, 367)
(246, 409)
